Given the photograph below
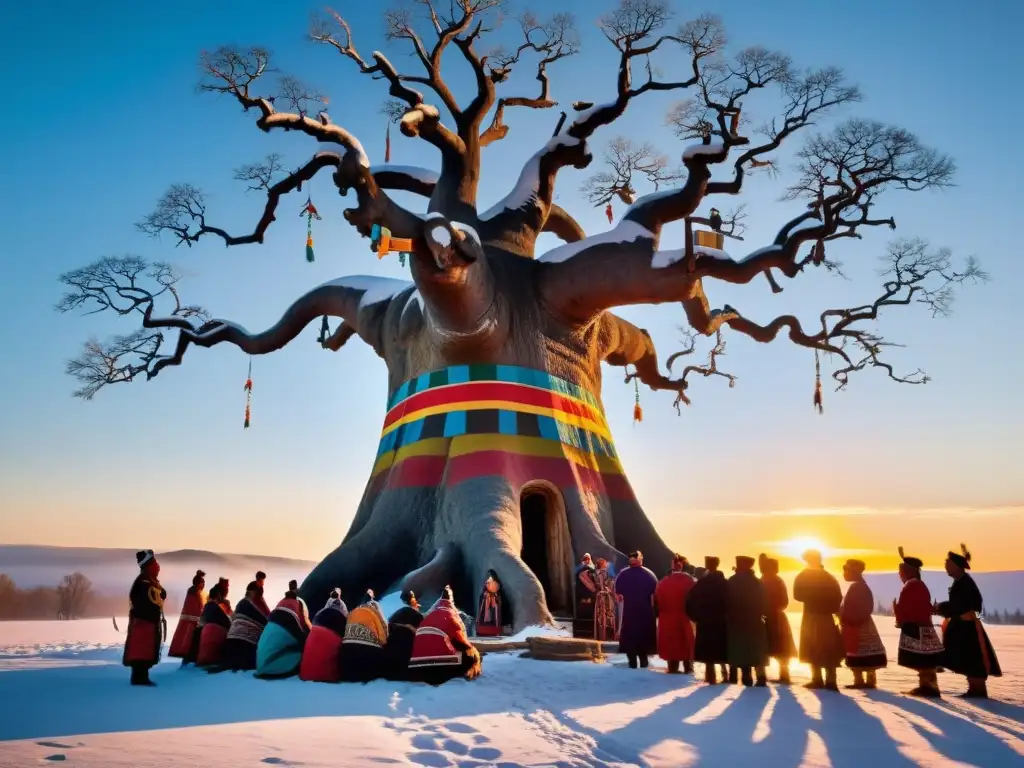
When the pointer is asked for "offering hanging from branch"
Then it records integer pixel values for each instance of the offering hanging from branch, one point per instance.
(310, 212)
(382, 243)
(248, 396)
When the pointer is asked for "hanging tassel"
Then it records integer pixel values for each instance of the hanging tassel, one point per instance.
(817, 384)
(638, 412)
(310, 212)
(608, 212)
(401, 258)
(248, 396)
(309, 247)
(325, 331)
(387, 143)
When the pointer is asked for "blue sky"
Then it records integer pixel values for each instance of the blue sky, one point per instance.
(102, 115)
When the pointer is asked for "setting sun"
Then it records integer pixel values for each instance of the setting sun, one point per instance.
(796, 546)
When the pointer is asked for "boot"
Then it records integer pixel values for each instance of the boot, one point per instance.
(816, 680)
(784, 673)
(631, 659)
(687, 667)
(977, 688)
(928, 684)
(140, 676)
(709, 674)
(831, 683)
(643, 661)
(747, 676)
(673, 667)
(734, 675)
(871, 681)
(762, 677)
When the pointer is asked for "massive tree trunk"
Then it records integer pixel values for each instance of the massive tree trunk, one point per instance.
(476, 419)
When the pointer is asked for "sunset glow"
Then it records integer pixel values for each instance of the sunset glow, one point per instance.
(796, 546)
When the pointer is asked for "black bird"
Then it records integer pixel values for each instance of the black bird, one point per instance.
(579, 106)
(716, 220)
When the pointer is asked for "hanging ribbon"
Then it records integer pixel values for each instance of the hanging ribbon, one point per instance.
(387, 143)
(638, 412)
(310, 212)
(248, 396)
(817, 384)
(325, 331)
(608, 212)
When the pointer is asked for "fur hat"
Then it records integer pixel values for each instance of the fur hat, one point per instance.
(261, 576)
(811, 556)
(769, 565)
(744, 562)
(143, 556)
(711, 562)
(336, 594)
(857, 566)
(913, 562)
(293, 585)
(961, 558)
(679, 560)
(200, 576)
(252, 586)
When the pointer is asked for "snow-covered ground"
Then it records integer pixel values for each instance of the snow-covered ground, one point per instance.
(65, 698)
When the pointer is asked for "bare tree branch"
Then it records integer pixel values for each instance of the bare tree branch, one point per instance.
(623, 159)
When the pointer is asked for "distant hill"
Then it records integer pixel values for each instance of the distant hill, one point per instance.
(112, 570)
(1002, 590)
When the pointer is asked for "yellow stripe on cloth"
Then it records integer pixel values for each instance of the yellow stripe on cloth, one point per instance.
(433, 446)
(503, 405)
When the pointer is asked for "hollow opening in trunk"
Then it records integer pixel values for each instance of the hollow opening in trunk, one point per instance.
(547, 549)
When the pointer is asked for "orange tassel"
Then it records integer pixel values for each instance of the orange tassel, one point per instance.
(248, 396)
(638, 413)
(818, 404)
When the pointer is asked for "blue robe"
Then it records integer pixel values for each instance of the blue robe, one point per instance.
(638, 633)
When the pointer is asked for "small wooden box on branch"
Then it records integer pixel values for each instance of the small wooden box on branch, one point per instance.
(708, 239)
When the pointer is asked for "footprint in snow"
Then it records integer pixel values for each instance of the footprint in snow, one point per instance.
(481, 739)
(485, 753)
(455, 727)
(455, 747)
(279, 761)
(58, 758)
(430, 759)
(54, 745)
(425, 741)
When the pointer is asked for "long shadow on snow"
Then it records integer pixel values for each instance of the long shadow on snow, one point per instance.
(959, 737)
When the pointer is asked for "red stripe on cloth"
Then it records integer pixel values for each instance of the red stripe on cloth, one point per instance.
(490, 390)
(413, 472)
(520, 469)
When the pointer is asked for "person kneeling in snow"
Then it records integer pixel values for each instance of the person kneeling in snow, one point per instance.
(362, 649)
(402, 628)
(247, 625)
(441, 650)
(145, 620)
(188, 623)
(214, 624)
(321, 656)
(279, 651)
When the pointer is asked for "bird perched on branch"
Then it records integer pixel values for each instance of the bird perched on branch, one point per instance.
(715, 220)
(579, 106)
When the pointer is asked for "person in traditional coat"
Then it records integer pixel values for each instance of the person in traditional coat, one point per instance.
(968, 650)
(675, 631)
(584, 590)
(145, 619)
(188, 623)
(706, 605)
(441, 650)
(489, 614)
(635, 587)
(920, 648)
(865, 653)
(258, 596)
(821, 644)
(402, 628)
(776, 623)
(606, 616)
(747, 640)
(322, 651)
(214, 623)
(362, 648)
(279, 651)
(247, 624)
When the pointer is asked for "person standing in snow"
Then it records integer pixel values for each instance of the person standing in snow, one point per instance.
(968, 650)
(214, 624)
(188, 623)
(145, 619)
(606, 615)
(780, 635)
(635, 587)
(920, 648)
(865, 653)
(489, 615)
(821, 644)
(675, 632)
(747, 641)
(706, 605)
(584, 590)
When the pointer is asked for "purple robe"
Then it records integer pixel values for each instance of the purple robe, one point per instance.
(638, 632)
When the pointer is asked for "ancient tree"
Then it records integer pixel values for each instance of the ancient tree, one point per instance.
(494, 353)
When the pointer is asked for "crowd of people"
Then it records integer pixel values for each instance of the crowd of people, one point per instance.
(738, 625)
(336, 645)
(735, 625)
